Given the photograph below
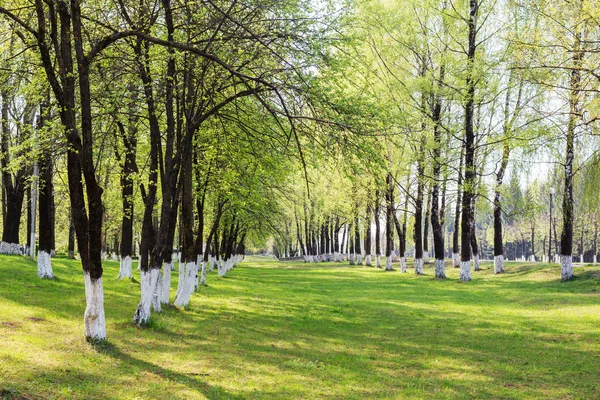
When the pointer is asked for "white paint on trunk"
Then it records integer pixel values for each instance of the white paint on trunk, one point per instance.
(581, 258)
(499, 264)
(359, 259)
(378, 261)
(465, 271)
(125, 268)
(44, 265)
(476, 263)
(165, 292)
(203, 275)
(368, 262)
(532, 258)
(440, 269)
(212, 264)
(594, 260)
(187, 288)
(10, 248)
(351, 258)
(149, 281)
(94, 322)
(180, 279)
(388, 263)
(456, 260)
(158, 293)
(426, 257)
(114, 256)
(403, 264)
(566, 267)
(336, 256)
(419, 266)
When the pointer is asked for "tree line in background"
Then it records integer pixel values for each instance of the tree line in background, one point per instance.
(197, 130)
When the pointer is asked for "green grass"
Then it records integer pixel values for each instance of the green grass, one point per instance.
(271, 330)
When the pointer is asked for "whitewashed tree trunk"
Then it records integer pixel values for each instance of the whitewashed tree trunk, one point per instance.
(187, 288)
(336, 256)
(165, 292)
(359, 259)
(388, 263)
(181, 279)
(594, 260)
(94, 322)
(476, 263)
(212, 264)
(456, 260)
(378, 261)
(149, 282)
(368, 262)
(465, 271)
(499, 264)
(125, 268)
(425, 257)
(403, 264)
(351, 258)
(440, 269)
(44, 265)
(157, 296)
(203, 275)
(566, 267)
(10, 248)
(419, 266)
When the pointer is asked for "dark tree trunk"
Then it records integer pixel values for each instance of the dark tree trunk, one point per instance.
(71, 244)
(377, 226)
(368, 236)
(418, 227)
(389, 222)
(13, 186)
(426, 227)
(46, 205)
(469, 146)
(357, 240)
(566, 237)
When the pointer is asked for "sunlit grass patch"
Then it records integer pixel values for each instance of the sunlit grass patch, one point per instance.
(294, 330)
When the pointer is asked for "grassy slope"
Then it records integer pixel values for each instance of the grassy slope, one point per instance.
(293, 331)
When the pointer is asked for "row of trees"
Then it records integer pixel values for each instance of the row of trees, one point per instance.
(208, 127)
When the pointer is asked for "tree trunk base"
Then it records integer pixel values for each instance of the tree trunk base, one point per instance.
(187, 288)
(456, 260)
(11, 248)
(94, 322)
(425, 257)
(378, 261)
(359, 260)
(44, 265)
(125, 268)
(465, 271)
(403, 264)
(499, 264)
(566, 267)
(476, 266)
(388, 263)
(440, 269)
(165, 292)
(419, 266)
(149, 287)
(368, 262)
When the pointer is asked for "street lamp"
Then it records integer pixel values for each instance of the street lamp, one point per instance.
(552, 191)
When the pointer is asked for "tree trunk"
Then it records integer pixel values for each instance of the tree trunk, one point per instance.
(46, 206)
(389, 218)
(469, 146)
(566, 237)
(368, 262)
(377, 232)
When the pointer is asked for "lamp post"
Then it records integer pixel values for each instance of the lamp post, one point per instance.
(552, 191)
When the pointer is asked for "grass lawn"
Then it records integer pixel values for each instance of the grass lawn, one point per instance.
(294, 331)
